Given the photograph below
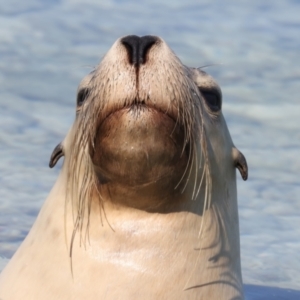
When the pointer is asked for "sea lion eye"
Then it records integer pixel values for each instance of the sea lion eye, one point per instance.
(213, 100)
(81, 96)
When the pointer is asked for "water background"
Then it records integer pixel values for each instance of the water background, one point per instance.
(47, 46)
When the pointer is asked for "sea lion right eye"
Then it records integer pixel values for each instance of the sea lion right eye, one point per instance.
(81, 96)
(213, 100)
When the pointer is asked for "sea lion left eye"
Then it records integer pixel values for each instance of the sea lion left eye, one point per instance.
(82, 95)
(212, 100)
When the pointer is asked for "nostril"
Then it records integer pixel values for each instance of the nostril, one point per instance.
(137, 48)
(146, 43)
(131, 43)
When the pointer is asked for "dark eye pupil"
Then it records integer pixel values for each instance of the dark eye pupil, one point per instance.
(212, 100)
(82, 95)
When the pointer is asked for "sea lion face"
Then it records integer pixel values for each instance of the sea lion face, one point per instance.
(144, 118)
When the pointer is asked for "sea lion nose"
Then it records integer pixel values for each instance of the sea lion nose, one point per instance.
(138, 47)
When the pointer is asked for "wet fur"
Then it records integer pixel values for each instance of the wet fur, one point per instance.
(201, 225)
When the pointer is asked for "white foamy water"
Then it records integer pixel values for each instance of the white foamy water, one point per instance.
(46, 47)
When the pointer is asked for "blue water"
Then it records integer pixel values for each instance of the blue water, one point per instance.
(46, 47)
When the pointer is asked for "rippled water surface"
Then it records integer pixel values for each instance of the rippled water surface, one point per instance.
(46, 47)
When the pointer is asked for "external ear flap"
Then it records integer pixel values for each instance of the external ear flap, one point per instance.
(56, 155)
(240, 162)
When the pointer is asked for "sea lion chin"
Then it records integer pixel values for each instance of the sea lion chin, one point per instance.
(145, 206)
(138, 148)
(139, 145)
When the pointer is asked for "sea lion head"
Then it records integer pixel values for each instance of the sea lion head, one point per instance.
(149, 132)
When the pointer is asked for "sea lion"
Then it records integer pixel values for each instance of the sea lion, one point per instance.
(145, 206)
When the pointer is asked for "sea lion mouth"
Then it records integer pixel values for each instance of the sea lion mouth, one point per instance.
(137, 106)
(138, 144)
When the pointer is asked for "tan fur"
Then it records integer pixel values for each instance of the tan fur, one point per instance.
(145, 206)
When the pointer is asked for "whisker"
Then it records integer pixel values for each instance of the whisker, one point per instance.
(210, 65)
